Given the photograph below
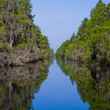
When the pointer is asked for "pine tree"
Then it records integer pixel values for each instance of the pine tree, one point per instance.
(82, 28)
(73, 37)
(25, 6)
(108, 10)
(98, 14)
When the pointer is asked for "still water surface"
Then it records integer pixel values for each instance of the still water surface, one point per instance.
(58, 92)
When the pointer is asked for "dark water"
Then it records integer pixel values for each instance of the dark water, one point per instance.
(58, 92)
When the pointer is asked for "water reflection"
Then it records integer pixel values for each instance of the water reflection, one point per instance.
(58, 92)
(97, 94)
(17, 85)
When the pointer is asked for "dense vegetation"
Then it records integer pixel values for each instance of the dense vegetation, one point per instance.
(96, 94)
(86, 58)
(17, 30)
(90, 47)
(24, 55)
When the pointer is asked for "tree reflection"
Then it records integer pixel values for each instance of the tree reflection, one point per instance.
(95, 93)
(17, 85)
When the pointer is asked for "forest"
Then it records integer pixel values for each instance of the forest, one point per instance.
(85, 58)
(89, 47)
(32, 77)
(21, 41)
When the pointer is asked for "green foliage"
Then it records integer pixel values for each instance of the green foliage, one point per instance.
(17, 29)
(93, 31)
(86, 58)
(98, 11)
(25, 6)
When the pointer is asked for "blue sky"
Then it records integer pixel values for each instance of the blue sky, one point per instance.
(58, 19)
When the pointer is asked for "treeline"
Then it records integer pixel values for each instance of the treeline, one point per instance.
(90, 47)
(17, 29)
